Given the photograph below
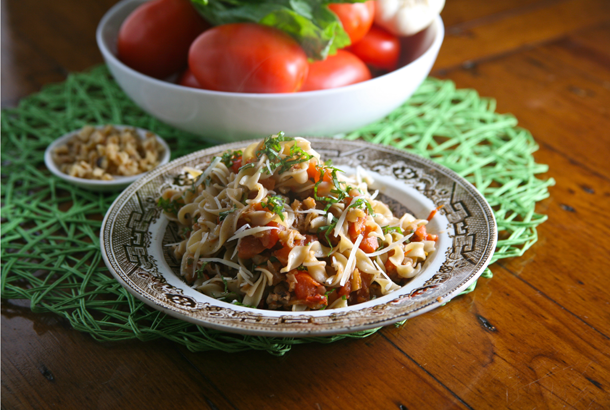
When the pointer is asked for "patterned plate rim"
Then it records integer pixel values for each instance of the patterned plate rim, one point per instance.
(465, 260)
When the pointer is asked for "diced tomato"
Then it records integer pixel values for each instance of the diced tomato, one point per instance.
(249, 246)
(314, 173)
(346, 289)
(421, 235)
(270, 237)
(282, 255)
(356, 228)
(236, 164)
(316, 301)
(369, 244)
(309, 290)
(328, 176)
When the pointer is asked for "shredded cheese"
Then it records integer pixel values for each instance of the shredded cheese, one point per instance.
(228, 263)
(207, 171)
(251, 231)
(343, 216)
(351, 260)
(389, 248)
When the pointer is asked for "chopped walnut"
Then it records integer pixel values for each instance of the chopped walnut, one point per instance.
(102, 153)
(309, 203)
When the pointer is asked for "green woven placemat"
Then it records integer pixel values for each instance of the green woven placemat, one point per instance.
(50, 243)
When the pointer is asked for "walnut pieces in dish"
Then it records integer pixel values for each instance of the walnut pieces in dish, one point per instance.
(105, 152)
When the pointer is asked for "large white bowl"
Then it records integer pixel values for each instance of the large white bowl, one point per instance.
(224, 116)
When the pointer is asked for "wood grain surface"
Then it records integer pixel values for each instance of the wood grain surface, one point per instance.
(535, 336)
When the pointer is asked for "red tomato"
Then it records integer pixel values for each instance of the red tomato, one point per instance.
(356, 18)
(356, 228)
(187, 79)
(346, 289)
(314, 172)
(422, 235)
(237, 161)
(155, 38)
(378, 49)
(339, 70)
(282, 254)
(309, 290)
(249, 247)
(249, 58)
(270, 238)
(369, 243)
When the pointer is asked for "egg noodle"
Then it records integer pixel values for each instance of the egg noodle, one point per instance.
(273, 227)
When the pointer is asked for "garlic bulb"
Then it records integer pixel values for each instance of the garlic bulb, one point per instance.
(407, 17)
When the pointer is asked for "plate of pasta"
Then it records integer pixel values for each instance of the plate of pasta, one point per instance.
(287, 236)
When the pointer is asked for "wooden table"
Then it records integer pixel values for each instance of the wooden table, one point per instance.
(534, 336)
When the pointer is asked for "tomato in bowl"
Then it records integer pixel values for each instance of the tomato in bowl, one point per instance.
(224, 116)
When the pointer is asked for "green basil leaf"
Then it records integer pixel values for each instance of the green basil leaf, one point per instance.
(309, 22)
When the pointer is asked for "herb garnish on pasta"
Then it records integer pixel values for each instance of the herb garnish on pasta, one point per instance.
(273, 227)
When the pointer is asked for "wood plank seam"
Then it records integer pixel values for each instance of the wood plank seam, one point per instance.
(202, 374)
(573, 161)
(457, 29)
(471, 64)
(427, 372)
(551, 299)
(27, 40)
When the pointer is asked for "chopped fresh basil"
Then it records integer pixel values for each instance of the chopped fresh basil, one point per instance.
(200, 271)
(360, 202)
(389, 229)
(169, 205)
(272, 148)
(238, 303)
(229, 157)
(223, 214)
(274, 204)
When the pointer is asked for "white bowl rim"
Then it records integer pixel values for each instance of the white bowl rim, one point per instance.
(432, 48)
(118, 180)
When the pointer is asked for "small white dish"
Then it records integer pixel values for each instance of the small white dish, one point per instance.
(134, 234)
(119, 182)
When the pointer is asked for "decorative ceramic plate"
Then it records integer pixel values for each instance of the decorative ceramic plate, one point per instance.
(135, 231)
